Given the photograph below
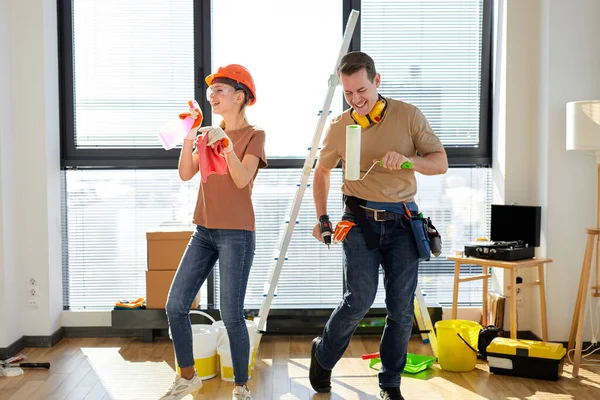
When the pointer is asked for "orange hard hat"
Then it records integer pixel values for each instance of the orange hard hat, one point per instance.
(237, 73)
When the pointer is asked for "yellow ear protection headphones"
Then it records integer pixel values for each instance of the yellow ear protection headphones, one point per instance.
(375, 116)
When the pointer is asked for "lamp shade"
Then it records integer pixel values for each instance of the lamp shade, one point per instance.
(583, 125)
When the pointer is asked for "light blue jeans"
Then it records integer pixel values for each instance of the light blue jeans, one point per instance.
(235, 251)
(398, 256)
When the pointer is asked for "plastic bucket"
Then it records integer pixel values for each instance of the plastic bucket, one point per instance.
(453, 353)
(252, 334)
(204, 339)
(225, 361)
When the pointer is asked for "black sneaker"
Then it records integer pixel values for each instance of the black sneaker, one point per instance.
(320, 378)
(392, 393)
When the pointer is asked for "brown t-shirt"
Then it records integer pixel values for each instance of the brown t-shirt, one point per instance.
(404, 130)
(220, 204)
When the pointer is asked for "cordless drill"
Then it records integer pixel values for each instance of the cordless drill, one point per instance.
(325, 229)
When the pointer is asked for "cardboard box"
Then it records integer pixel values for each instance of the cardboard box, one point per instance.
(166, 248)
(158, 284)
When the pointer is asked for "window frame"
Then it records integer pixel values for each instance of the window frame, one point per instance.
(156, 158)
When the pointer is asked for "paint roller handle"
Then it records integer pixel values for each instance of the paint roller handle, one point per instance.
(405, 164)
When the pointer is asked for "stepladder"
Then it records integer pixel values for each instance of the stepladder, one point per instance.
(333, 82)
(421, 313)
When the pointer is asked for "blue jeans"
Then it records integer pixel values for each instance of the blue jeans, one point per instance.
(397, 254)
(235, 251)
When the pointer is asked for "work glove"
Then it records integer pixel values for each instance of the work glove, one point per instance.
(196, 114)
(216, 134)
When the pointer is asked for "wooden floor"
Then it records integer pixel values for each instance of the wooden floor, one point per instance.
(108, 368)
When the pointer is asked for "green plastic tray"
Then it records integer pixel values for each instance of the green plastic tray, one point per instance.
(415, 363)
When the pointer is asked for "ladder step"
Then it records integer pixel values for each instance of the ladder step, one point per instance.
(266, 290)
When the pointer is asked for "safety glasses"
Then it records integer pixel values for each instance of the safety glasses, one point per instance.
(219, 90)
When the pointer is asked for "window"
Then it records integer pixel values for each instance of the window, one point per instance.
(107, 214)
(126, 70)
(129, 79)
(435, 54)
(128, 67)
(289, 63)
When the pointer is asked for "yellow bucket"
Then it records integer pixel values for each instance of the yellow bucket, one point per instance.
(252, 335)
(225, 361)
(204, 344)
(453, 353)
(206, 367)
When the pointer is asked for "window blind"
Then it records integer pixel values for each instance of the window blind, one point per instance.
(108, 212)
(429, 54)
(133, 69)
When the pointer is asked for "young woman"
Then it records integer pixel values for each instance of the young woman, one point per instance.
(225, 230)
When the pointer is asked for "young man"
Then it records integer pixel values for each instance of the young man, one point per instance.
(395, 133)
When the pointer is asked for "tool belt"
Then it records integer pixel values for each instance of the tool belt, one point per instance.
(417, 223)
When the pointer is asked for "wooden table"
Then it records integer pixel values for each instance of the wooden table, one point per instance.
(512, 266)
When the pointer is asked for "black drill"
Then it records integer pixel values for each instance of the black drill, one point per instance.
(325, 229)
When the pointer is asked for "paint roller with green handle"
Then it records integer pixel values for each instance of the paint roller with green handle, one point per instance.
(405, 164)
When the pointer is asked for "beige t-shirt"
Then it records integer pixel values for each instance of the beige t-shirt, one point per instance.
(404, 130)
(220, 204)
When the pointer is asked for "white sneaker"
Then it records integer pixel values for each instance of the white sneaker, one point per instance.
(241, 393)
(182, 387)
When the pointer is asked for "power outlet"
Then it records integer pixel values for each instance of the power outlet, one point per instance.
(33, 292)
(519, 300)
(32, 281)
(33, 303)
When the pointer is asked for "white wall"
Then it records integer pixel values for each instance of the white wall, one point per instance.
(30, 168)
(572, 66)
(9, 331)
(552, 57)
(516, 97)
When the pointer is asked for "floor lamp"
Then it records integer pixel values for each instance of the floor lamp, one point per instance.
(583, 133)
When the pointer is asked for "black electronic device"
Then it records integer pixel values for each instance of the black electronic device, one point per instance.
(516, 223)
(515, 233)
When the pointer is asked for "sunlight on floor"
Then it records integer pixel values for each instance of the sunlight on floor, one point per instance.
(284, 378)
(127, 380)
